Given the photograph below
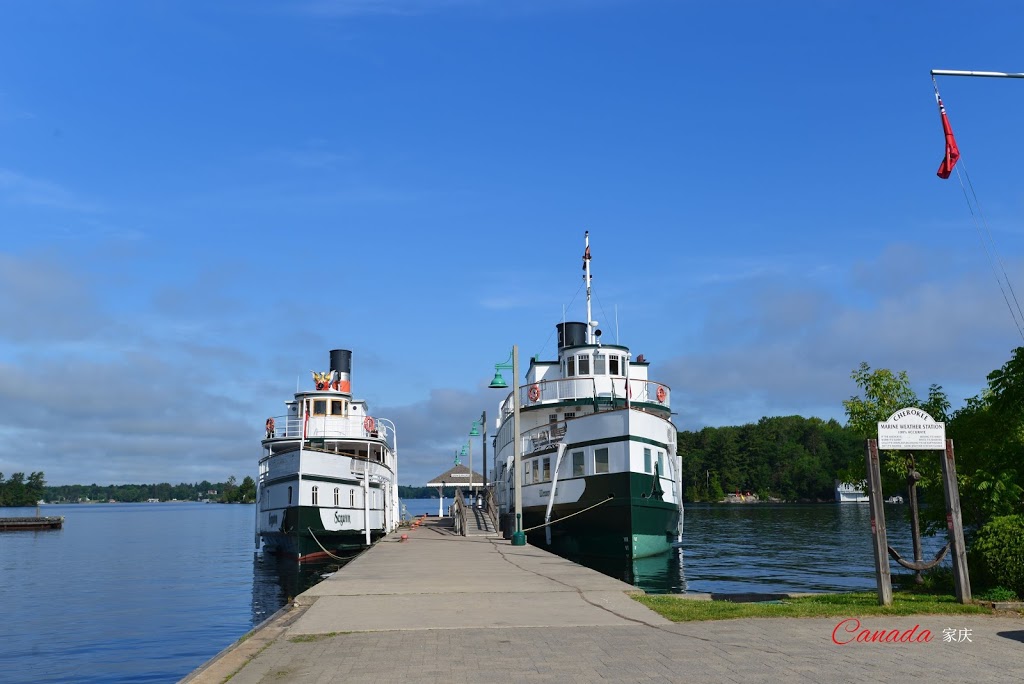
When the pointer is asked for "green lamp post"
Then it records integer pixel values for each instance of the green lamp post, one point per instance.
(518, 537)
(473, 432)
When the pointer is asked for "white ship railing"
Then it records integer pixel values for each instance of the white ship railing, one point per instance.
(335, 427)
(604, 392)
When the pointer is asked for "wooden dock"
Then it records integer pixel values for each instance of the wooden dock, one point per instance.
(32, 523)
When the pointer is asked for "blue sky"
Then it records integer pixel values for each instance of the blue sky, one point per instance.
(199, 200)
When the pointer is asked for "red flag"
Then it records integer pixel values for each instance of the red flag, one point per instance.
(952, 152)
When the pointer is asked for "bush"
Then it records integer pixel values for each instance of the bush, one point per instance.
(997, 594)
(997, 554)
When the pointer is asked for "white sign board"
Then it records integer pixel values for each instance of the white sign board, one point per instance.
(911, 429)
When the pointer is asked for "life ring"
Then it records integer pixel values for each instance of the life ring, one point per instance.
(661, 393)
(270, 427)
(368, 424)
(534, 392)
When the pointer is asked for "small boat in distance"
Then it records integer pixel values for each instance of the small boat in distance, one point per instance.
(328, 479)
(848, 492)
(600, 474)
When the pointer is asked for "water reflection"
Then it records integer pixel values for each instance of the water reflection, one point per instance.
(276, 581)
(662, 574)
(770, 548)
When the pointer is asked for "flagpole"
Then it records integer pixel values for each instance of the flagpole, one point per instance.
(985, 74)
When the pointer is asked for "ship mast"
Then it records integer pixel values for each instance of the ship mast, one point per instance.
(586, 277)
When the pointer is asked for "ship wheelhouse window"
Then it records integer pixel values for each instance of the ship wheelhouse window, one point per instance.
(552, 417)
(337, 497)
(647, 460)
(583, 364)
(289, 496)
(546, 470)
(570, 414)
(316, 495)
(337, 407)
(577, 464)
(600, 460)
(352, 497)
(613, 365)
(599, 364)
(320, 407)
(570, 366)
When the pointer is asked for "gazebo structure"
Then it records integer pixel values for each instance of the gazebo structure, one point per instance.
(456, 476)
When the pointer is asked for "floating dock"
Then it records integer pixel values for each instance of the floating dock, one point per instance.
(32, 523)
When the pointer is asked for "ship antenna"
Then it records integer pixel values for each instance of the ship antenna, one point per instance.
(586, 277)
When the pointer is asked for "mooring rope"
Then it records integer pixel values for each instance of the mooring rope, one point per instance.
(985, 235)
(536, 527)
(322, 546)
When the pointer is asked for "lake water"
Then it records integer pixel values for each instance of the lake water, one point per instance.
(149, 592)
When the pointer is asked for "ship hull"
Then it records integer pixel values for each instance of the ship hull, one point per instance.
(302, 535)
(619, 515)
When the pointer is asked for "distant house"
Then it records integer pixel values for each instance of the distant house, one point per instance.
(847, 492)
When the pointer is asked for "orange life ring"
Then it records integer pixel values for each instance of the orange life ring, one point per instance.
(534, 392)
(369, 424)
(661, 393)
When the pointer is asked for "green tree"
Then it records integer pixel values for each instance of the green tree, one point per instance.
(988, 434)
(229, 491)
(884, 393)
(35, 487)
(15, 491)
(247, 490)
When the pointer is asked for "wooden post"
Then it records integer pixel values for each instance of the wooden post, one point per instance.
(955, 526)
(880, 543)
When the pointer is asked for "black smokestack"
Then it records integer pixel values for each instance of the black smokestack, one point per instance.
(341, 361)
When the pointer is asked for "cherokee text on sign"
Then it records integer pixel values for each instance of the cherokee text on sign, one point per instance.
(911, 428)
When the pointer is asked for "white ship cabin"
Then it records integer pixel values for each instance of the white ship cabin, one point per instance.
(849, 492)
(328, 419)
(588, 377)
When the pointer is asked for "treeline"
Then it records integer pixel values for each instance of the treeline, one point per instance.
(223, 492)
(789, 458)
(17, 491)
(406, 492)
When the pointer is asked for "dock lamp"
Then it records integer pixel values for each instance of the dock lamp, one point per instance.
(473, 432)
(462, 454)
(518, 537)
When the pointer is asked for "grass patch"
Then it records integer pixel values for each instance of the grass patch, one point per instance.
(826, 605)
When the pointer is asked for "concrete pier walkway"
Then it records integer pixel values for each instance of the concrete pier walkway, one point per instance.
(442, 608)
